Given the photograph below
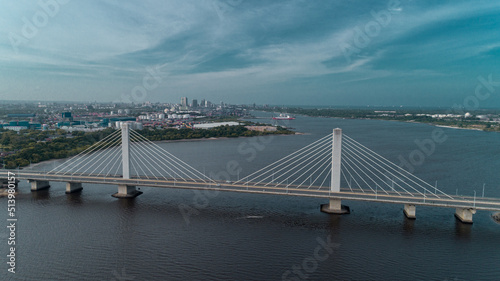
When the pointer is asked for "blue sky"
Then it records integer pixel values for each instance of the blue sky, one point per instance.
(311, 52)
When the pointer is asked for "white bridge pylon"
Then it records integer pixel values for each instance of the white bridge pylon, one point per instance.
(127, 154)
(337, 163)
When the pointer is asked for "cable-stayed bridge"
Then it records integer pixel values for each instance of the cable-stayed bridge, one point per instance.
(335, 167)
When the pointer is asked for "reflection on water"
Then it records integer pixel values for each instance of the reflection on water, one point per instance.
(43, 194)
(75, 198)
(462, 230)
(334, 221)
(127, 204)
(408, 226)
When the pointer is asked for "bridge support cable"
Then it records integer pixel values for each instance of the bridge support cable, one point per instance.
(134, 164)
(285, 162)
(369, 160)
(366, 165)
(303, 163)
(98, 163)
(153, 152)
(317, 162)
(325, 162)
(88, 159)
(395, 168)
(137, 155)
(291, 167)
(183, 167)
(169, 161)
(347, 161)
(73, 161)
(327, 168)
(95, 159)
(150, 159)
(363, 169)
(145, 163)
(325, 178)
(345, 167)
(87, 151)
(117, 161)
(363, 156)
(345, 178)
(115, 156)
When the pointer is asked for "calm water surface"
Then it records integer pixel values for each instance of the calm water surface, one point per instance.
(231, 236)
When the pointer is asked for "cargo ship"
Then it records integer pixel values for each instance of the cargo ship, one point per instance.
(283, 117)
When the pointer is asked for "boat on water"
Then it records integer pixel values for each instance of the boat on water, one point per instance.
(283, 117)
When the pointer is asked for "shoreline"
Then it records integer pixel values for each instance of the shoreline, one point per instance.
(458, 128)
(403, 121)
(223, 138)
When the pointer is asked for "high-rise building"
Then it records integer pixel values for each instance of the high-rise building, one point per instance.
(195, 103)
(184, 102)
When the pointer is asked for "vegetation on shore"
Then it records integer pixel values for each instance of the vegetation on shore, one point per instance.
(29, 146)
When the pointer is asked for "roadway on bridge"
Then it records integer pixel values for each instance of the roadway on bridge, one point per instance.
(479, 203)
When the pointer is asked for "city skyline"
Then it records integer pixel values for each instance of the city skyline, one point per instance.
(282, 52)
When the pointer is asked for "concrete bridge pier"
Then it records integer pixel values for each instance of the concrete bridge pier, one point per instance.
(126, 191)
(72, 187)
(465, 215)
(409, 211)
(38, 185)
(335, 207)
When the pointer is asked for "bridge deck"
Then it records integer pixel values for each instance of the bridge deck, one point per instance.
(479, 203)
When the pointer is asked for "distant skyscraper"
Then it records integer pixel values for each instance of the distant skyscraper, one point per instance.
(202, 103)
(184, 102)
(195, 103)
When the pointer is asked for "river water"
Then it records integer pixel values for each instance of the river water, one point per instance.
(233, 236)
